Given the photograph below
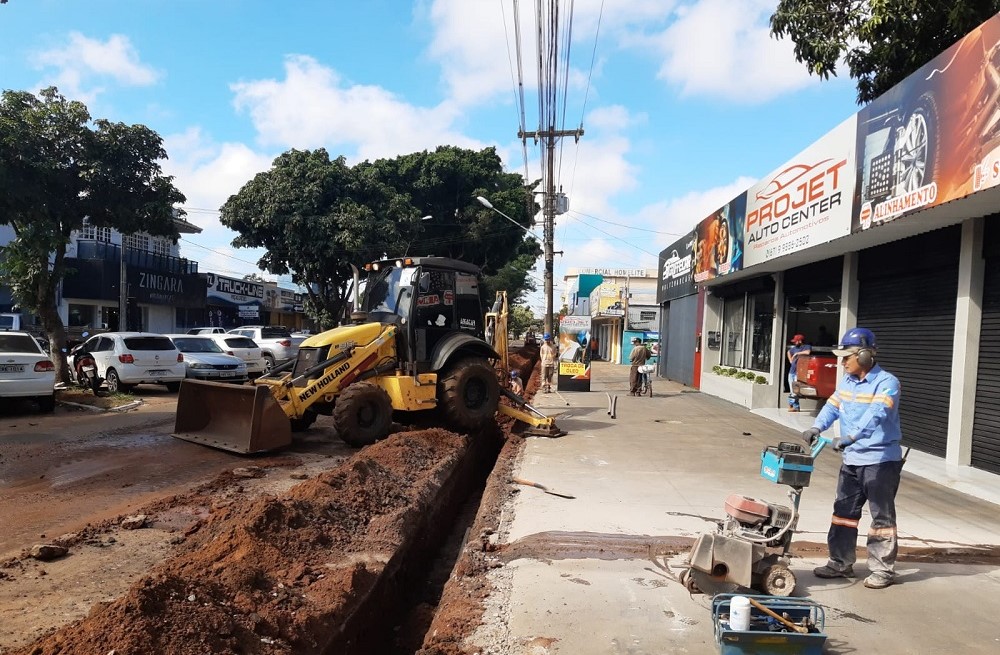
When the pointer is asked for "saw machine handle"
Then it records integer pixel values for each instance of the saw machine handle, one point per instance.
(820, 444)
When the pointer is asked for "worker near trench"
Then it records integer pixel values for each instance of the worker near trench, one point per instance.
(866, 403)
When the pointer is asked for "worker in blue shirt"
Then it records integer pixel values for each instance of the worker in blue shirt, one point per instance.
(866, 403)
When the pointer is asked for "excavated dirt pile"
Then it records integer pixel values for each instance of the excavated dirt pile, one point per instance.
(321, 568)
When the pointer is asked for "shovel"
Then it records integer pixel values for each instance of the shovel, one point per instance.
(529, 483)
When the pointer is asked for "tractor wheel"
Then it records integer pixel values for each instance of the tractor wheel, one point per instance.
(778, 580)
(302, 424)
(363, 414)
(469, 394)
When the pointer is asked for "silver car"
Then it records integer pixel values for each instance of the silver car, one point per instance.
(205, 360)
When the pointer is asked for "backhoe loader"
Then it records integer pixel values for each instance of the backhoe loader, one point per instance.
(416, 343)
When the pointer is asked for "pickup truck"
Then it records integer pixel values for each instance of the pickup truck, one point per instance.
(277, 345)
(816, 374)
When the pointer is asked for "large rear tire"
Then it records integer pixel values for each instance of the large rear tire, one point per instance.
(363, 414)
(469, 394)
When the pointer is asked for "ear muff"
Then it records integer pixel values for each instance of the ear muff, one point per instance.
(866, 358)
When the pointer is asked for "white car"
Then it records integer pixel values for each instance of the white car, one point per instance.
(26, 371)
(207, 330)
(243, 347)
(125, 359)
(205, 359)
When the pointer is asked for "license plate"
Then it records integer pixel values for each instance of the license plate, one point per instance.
(227, 374)
(88, 369)
(12, 368)
(156, 373)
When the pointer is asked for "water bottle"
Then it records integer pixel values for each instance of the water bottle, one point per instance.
(739, 613)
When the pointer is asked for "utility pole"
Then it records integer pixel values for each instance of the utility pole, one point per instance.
(549, 205)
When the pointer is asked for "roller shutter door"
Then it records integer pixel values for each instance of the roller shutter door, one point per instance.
(907, 295)
(678, 339)
(986, 422)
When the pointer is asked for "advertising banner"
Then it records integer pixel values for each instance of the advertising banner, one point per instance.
(574, 353)
(676, 278)
(609, 299)
(718, 247)
(935, 136)
(165, 288)
(806, 202)
(230, 291)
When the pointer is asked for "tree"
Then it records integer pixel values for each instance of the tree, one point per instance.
(519, 320)
(443, 184)
(316, 217)
(57, 171)
(882, 42)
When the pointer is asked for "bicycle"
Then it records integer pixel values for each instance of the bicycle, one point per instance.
(646, 380)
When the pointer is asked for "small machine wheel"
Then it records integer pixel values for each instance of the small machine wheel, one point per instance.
(688, 581)
(469, 394)
(363, 414)
(778, 580)
(302, 424)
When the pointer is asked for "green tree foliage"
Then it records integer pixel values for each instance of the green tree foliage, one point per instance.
(57, 169)
(882, 41)
(316, 217)
(519, 320)
(443, 184)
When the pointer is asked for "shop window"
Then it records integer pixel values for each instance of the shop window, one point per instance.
(733, 313)
(760, 308)
(81, 315)
(89, 231)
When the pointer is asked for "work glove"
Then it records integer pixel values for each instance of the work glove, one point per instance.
(839, 443)
(811, 436)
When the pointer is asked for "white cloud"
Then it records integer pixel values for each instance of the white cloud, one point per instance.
(314, 107)
(723, 48)
(83, 62)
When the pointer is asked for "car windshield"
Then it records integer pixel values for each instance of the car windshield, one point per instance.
(148, 343)
(190, 345)
(382, 291)
(18, 343)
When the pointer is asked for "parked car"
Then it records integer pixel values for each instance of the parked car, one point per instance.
(816, 373)
(125, 359)
(26, 371)
(207, 330)
(205, 359)
(277, 345)
(243, 347)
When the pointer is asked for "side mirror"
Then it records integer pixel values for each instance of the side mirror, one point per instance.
(85, 335)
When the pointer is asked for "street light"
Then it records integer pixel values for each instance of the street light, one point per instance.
(547, 245)
(488, 205)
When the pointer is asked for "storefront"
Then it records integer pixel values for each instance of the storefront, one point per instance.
(887, 222)
(677, 297)
(231, 303)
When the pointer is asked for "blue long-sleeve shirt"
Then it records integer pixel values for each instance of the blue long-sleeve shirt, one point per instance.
(868, 411)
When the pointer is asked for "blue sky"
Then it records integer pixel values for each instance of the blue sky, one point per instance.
(687, 103)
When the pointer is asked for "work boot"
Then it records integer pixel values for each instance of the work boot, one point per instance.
(877, 581)
(828, 572)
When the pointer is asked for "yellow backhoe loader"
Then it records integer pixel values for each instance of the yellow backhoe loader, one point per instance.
(417, 343)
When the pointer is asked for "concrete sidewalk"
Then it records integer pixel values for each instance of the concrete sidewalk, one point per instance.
(597, 573)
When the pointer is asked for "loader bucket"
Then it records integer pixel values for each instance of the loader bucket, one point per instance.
(240, 418)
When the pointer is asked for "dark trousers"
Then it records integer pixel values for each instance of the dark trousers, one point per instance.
(633, 379)
(875, 484)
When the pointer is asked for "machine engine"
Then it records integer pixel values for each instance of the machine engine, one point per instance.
(756, 519)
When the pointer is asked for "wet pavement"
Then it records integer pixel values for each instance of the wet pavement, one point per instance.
(598, 573)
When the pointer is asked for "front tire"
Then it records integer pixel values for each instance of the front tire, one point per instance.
(778, 580)
(469, 394)
(268, 364)
(363, 414)
(302, 424)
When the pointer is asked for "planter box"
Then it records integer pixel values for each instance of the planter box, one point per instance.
(742, 392)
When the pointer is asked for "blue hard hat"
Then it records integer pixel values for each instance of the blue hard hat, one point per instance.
(855, 338)
(513, 374)
(546, 336)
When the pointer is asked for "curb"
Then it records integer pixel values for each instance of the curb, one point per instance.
(91, 408)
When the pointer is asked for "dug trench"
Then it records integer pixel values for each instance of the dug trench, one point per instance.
(352, 560)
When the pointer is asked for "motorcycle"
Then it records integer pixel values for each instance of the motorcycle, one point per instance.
(85, 370)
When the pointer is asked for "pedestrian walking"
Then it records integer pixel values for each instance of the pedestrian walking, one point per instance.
(548, 354)
(638, 358)
(866, 403)
(799, 348)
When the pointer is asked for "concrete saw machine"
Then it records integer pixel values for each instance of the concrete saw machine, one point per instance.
(750, 549)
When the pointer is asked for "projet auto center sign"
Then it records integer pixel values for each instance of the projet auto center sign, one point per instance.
(806, 202)
(245, 295)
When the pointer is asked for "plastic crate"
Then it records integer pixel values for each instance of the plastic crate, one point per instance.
(765, 636)
(787, 463)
